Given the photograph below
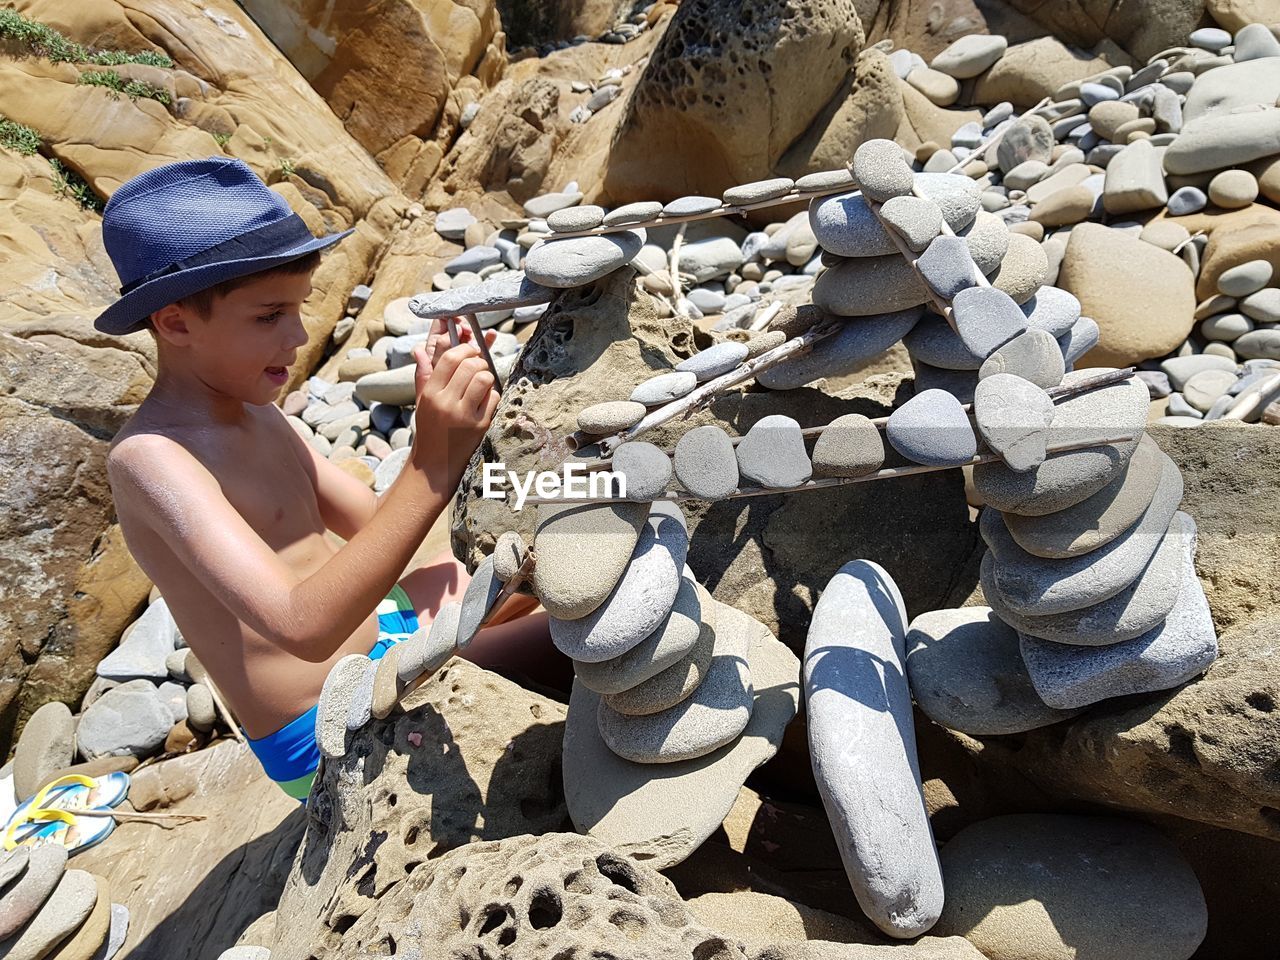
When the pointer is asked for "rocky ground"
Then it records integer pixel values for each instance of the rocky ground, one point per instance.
(636, 210)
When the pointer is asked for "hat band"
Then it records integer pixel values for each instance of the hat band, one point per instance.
(274, 238)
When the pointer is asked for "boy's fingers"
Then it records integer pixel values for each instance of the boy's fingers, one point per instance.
(423, 373)
(491, 405)
(447, 364)
(476, 398)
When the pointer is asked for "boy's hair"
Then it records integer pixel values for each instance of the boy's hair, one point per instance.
(202, 300)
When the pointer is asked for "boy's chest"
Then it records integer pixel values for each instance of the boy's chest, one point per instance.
(264, 480)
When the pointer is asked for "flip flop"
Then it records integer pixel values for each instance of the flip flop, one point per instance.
(73, 793)
(58, 827)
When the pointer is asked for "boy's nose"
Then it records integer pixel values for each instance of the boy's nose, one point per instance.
(298, 335)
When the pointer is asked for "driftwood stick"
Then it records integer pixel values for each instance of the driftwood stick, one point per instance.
(1058, 393)
(886, 474)
(1256, 401)
(704, 394)
(125, 816)
(476, 332)
(452, 324)
(673, 268)
(222, 709)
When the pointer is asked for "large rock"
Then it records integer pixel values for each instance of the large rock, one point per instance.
(471, 757)
(388, 73)
(1158, 25)
(729, 88)
(1052, 887)
(1143, 298)
(768, 556)
(1030, 71)
(532, 898)
(194, 907)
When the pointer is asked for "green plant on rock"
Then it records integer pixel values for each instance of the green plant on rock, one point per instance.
(68, 183)
(221, 138)
(286, 166)
(42, 40)
(19, 138)
(117, 84)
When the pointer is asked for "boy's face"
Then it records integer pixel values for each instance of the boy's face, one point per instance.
(250, 340)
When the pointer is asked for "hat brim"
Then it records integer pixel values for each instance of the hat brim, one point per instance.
(131, 311)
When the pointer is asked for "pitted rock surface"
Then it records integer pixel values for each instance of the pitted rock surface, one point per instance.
(471, 757)
(558, 895)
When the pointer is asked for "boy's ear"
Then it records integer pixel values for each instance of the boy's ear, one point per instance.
(171, 324)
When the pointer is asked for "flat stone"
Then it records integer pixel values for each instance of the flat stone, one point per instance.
(1028, 138)
(583, 550)
(669, 643)
(93, 932)
(386, 682)
(1263, 306)
(674, 683)
(153, 637)
(200, 709)
(1233, 189)
(473, 260)
(638, 603)
(430, 645)
(12, 865)
(341, 687)
(1259, 345)
(509, 554)
(68, 907)
(1130, 613)
(1066, 206)
(825, 180)
(942, 90)
(499, 292)
(44, 870)
(117, 934)
(758, 191)
(1036, 586)
(856, 341)
(1134, 180)
(47, 744)
(988, 240)
(970, 55)
(932, 341)
(850, 446)
(1204, 389)
(664, 388)
(1079, 340)
(855, 680)
(1013, 416)
(1216, 141)
(647, 469)
(610, 416)
(932, 428)
(773, 454)
(452, 224)
(360, 705)
(1033, 355)
(881, 170)
(571, 219)
(947, 266)
(1051, 309)
(662, 819)
(690, 206)
(706, 463)
(1181, 369)
(715, 360)
(130, 719)
(1023, 269)
(477, 600)
(1098, 519)
(640, 212)
(576, 261)
(986, 318)
(966, 673)
(710, 258)
(712, 715)
(1181, 647)
(1226, 327)
(1245, 278)
(541, 207)
(915, 219)
(1064, 479)
(1058, 886)
(1255, 41)
(844, 225)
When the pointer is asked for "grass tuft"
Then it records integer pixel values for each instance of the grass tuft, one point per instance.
(68, 183)
(42, 40)
(117, 84)
(18, 137)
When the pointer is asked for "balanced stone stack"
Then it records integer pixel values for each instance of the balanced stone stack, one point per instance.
(1090, 564)
(677, 697)
(47, 910)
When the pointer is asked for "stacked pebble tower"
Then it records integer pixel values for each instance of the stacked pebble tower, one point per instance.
(47, 910)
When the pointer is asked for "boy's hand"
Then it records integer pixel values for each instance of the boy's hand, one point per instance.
(456, 401)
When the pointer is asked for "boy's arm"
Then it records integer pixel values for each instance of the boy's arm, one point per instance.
(312, 617)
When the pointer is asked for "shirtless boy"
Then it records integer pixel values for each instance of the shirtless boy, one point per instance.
(227, 509)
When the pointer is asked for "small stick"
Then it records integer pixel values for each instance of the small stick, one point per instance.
(674, 270)
(795, 347)
(765, 316)
(125, 816)
(1056, 394)
(474, 323)
(221, 707)
(510, 587)
(1257, 400)
(885, 474)
(452, 324)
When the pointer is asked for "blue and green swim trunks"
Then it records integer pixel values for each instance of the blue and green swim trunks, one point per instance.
(290, 756)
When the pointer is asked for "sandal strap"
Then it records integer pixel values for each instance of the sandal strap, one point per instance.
(69, 780)
(31, 815)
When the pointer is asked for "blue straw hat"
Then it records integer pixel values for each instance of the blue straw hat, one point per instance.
(186, 226)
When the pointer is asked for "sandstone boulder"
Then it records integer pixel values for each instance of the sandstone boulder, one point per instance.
(1030, 71)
